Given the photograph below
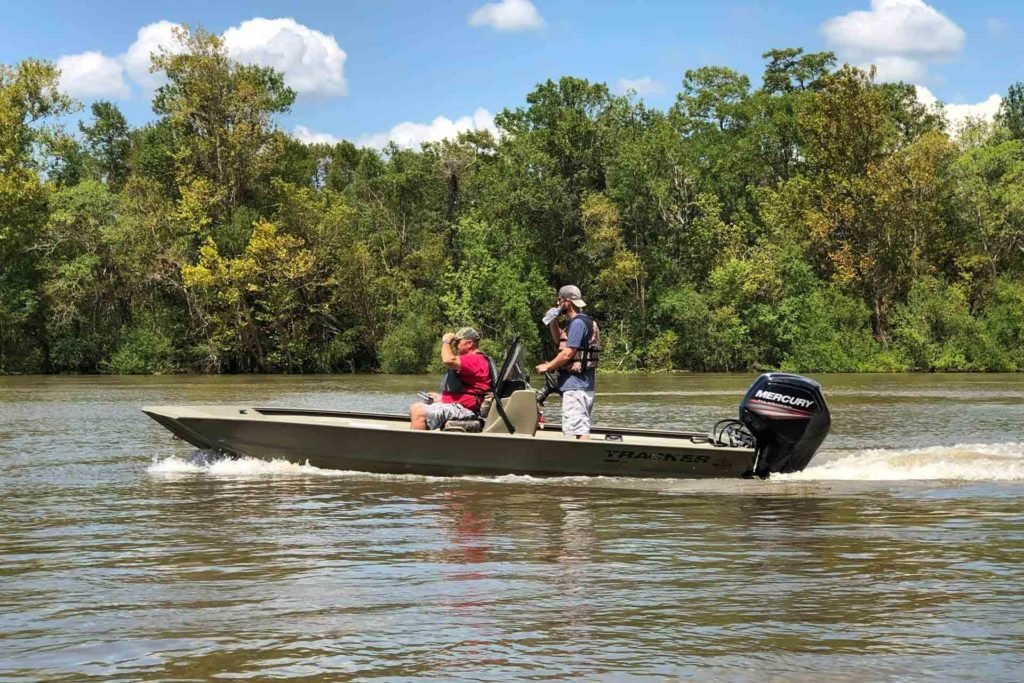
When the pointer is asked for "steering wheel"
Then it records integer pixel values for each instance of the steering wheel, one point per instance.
(550, 386)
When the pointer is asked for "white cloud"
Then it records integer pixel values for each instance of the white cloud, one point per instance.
(410, 135)
(908, 27)
(508, 15)
(958, 114)
(312, 137)
(312, 62)
(92, 74)
(893, 68)
(900, 36)
(150, 39)
(645, 85)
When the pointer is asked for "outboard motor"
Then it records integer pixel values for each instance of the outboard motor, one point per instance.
(789, 419)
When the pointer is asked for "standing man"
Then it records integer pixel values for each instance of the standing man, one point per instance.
(578, 349)
(467, 379)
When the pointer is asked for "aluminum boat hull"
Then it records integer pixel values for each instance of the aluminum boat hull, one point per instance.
(385, 444)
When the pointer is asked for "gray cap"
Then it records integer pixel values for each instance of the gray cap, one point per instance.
(573, 294)
(467, 333)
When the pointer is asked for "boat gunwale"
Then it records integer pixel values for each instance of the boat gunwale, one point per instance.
(554, 426)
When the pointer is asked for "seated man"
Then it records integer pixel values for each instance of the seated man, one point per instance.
(466, 381)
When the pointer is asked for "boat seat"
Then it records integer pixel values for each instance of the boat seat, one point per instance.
(521, 408)
(471, 425)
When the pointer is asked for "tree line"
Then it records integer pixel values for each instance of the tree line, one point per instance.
(817, 222)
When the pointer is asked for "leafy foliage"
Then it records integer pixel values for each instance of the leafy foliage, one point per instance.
(817, 221)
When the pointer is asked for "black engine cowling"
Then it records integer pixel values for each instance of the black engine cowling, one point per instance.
(788, 417)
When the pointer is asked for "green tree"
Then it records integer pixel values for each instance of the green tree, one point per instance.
(877, 200)
(257, 308)
(109, 142)
(1003, 319)
(220, 114)
(67, 162)
(494, 290)
(28, 96)
(1011, 110)
(712, 98)
(80, 289)
(554, 151)
(693, 334)
(790, 76)
(936, 331)
(714, 113)
(910, 118)
(353, 291)
(989, 182)
(618, 281)
(791, 70)
(151, 156)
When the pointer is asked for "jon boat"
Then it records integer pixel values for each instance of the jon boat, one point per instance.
(782, 421)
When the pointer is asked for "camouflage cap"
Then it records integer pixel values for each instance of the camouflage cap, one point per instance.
(467, 333)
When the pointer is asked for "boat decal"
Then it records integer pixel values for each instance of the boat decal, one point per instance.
(776, 410)
(777, 398)
(619, 455)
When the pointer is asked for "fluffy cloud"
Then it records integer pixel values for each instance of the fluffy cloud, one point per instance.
(312, 137)
(644, 85)
(311, 61)
(900, 36)
(92, 74)
(409, 134)
(150, 39)
(508, 15)
(958, 114)
(892, 68)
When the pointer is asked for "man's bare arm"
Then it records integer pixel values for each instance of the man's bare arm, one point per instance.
(557, 335)
(563, 357)
(448, 356)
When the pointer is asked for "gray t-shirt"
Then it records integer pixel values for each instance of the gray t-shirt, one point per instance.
(576, 337)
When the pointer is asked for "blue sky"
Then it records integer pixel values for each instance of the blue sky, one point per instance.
(373, 71)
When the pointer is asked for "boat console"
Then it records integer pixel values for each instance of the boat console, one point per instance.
(520, 407)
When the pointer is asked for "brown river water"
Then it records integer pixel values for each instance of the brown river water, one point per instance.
(897, 555)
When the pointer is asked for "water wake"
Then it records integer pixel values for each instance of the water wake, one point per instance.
(219, 465)
(962, 462)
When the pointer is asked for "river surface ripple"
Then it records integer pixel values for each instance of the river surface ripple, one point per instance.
(899, 554)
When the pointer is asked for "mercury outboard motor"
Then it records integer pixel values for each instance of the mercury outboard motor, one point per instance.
(789, 419)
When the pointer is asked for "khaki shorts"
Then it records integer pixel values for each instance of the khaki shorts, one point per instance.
(439, 413)
(577, 406)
